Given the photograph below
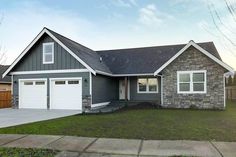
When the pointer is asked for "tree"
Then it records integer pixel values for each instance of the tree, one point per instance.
(226, 32)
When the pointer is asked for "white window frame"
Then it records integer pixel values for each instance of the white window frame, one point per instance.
(147, 91)
(191, 82)
(46, 44)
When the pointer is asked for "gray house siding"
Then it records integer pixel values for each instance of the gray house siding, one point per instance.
(192, 59)
(33, 60)
(135, 96)
(85, 82)
(104, 89)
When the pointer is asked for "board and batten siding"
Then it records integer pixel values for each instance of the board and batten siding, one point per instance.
(104, 89)
(33, 60)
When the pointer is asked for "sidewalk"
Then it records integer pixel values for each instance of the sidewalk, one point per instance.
(108, 147)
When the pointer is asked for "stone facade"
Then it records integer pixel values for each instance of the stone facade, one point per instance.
(192, 59)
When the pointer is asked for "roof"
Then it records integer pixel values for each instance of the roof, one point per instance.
(6, 79)
(124, 62)
(87, 55)
(145, 59)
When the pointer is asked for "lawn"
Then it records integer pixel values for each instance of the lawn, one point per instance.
(22, 152)
(171, 124)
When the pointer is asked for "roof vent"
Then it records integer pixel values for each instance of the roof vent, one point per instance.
(100, 59)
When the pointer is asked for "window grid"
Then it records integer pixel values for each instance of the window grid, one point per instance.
(147, 86)
(191, 91)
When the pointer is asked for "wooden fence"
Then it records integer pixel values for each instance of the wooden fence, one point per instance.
(230, 92)
(5, 99)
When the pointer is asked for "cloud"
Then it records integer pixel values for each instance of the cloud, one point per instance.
(150, 16)
(125, 3)
(22, 24)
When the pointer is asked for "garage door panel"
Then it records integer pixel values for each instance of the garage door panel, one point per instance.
(66, 94)
(33, 94)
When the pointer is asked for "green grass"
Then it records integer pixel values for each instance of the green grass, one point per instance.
(165, 124)
(23, 152)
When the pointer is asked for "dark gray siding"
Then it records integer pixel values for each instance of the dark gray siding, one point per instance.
(104, 89)
(33, 60)
(135, 96)
(84, 75)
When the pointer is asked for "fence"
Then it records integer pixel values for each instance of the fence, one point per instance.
(5, 99)
(230, 92)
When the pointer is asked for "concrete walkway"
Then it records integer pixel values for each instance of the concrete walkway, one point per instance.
(107, 147)
(12, 117)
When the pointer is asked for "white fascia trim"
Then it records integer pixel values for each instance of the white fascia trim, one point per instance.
(34, 41)
(192, 43)
(121, 75)
(49, 71)
(68, 50)
(100, 104)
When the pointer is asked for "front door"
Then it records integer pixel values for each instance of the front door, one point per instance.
(122, 89)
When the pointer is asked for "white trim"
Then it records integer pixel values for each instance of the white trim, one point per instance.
(100, 104)
(34, 79)
(192, 43)
(90, 86)
(147, 92)
(63, 78)
(162, 90)
(47, 44)
(121, 75)
(191, 72)
(32, 44)
(224, 92)
(49, 71)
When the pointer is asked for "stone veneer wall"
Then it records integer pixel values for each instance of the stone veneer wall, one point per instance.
(192, 59)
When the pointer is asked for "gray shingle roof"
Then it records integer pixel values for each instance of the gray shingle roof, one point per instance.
(145, 59)
(89, 56)
(6, 79)
(131, 60)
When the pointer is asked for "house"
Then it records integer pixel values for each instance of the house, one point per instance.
(55, 72)
(5, 83)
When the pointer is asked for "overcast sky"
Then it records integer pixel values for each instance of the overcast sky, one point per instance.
(111, 24)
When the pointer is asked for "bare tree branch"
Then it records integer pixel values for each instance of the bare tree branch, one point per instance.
(217, 27)
(231, 9)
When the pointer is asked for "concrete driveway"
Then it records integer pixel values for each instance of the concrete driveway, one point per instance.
(12, 117)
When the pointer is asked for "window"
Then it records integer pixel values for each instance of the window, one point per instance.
(48, 53)
(39, 83)
(147, 85)
(191, 81)
(73, 82)
(60, 82)
(28, 83)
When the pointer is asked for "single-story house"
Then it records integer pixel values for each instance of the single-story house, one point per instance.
(55, 72)
(5, 83)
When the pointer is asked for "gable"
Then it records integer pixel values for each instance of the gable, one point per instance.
(201, 50)
(33, 60)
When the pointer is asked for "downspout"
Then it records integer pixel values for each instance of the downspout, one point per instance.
(161, 90)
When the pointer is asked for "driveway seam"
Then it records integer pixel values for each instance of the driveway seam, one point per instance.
(84, 150)
(216, 149)
(3, 145)
(140, 147)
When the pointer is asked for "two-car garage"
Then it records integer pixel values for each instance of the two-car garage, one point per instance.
(64, 93)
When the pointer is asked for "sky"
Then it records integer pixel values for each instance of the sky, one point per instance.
(112, 24)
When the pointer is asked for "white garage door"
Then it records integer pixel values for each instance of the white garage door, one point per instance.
(66, 93)
(33, 94)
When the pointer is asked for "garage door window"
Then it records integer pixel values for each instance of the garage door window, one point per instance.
(39, 83)
(73, 82)
(28, 83)
(60, 82)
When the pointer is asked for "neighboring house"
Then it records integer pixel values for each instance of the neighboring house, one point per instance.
(54, 72)
(5, 83)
